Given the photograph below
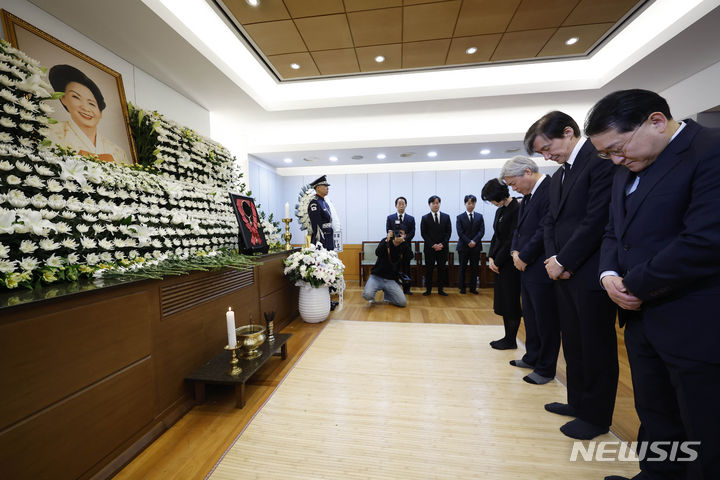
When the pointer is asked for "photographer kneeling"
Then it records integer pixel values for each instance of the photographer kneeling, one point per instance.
(385, 275)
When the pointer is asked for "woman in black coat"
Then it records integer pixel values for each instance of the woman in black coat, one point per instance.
(507, 277)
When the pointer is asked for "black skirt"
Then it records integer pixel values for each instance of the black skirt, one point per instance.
(507, 292)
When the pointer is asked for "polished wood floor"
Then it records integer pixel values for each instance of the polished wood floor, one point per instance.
(191, 447)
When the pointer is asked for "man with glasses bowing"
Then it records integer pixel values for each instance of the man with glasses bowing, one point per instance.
(659, 263)
(573, 229)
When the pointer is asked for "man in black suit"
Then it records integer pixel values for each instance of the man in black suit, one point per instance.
(659, 262)
(542, 329)
(470, 227)
(574, 227)
(393, 222)
(435, 229)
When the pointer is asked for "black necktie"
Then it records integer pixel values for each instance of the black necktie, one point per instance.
(400, 218)
(566, 171)
(524, 204)
(471, 218)
(436, 219)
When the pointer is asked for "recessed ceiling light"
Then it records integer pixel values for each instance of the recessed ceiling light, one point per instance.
(287, 160)
(571, 41)
(485, 151)
(471, 50)
(407, 154)
(253, 3)
(381, 156)
(357, 157)
(295, 66)
(333, 158)
(379, 59)
(432, 154)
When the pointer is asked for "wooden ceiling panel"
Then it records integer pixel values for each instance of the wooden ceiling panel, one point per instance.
(536, 14)
(520, 45)
(266, 11)
(485, 45)
(376, 27)
(366, 57)
(275, 38)
(478, 17)
(282, 65)
(430, 21)
(309, 8)
(418, 2)
(336, 62)
(592, 11)
(429, 53)
(355, 5)
(587, 35)
(329, 32)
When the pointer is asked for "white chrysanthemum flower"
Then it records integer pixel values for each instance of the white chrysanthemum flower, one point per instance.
(92, 259)
(54, 186)
(111, 228)
(46, 108)
(28, 246)
(69, 243)
(7, 266)
(54, 261)
(56, 202)
(7, 123)
(6, 166)
(82, 228)
(38, 201)
(89, 218)
(23, 167)
(48, 245)
(10, 109)
(44, 171)
(70, 187)
(34, 181)
(73, 258)
(4, 251)
(106, 257)
(28, 264)
(119, 255)
(98, 228)
(105, 244)
(68, 215)
(74, 205)
(88, 243)
(17, 199)
(119, 242)
(7, 220)
(26, 127)
(13, 180)
(62, 227)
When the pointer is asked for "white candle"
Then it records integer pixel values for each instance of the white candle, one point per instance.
(230, 319)
(287, 210)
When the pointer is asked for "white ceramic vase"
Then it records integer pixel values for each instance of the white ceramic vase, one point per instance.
(314, 303)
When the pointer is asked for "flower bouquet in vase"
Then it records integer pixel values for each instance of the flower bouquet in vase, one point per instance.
(315, 270)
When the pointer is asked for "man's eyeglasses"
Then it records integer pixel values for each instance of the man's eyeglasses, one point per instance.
(619, 152)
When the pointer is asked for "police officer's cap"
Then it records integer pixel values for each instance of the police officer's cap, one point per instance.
(320, 181)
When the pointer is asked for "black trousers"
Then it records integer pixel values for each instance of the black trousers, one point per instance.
(542, 327)
(471, 255)
(676, 400)
(587, 326)
(432, 259)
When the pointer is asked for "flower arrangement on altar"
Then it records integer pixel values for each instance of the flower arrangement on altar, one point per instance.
(315, 266)
(64, 216)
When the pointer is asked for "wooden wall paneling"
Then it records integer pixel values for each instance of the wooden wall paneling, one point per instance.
(269, 275)
(65, 440)
(285, 304)
(51, 351)
(349, 257)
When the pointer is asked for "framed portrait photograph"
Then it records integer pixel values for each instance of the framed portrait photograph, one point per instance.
(252, 237)
(92, 115)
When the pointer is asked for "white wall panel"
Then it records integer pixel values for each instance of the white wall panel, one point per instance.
(379, 205)
(448, 189)
(424, 185)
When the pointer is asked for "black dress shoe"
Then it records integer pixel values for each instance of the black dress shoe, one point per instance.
(561, 409)
(426, 293)
(474, 292)
(462, 290)
(440, 292)
(503, 344)
(333, 304)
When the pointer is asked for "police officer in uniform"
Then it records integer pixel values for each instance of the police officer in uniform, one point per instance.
(320, 217)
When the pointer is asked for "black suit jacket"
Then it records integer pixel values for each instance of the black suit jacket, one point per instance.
(529, 239)
(409, 222)
(503, 230)
(433, 233)
(467, 232)
(667, 245)
(578, 214)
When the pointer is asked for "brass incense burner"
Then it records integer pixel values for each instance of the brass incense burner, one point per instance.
(250, 337)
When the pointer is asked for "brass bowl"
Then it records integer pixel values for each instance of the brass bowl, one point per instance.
(250, 337)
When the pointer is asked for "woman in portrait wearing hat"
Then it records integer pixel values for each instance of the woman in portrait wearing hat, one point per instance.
(85, 104)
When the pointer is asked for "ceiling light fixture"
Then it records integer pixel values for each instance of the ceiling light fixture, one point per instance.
(295, 66)
(379, 59)
(381, 156)
(253, 3)
(432, 154)
(485, 151)
(333, 158)
(471, 50)
(571, 41)
(357, 157)
(287, 160)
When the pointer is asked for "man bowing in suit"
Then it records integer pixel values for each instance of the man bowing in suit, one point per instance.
(393, 222)
(435, 229)
(470, 227)
(542, 330)
(574, 227)
(659, 262)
